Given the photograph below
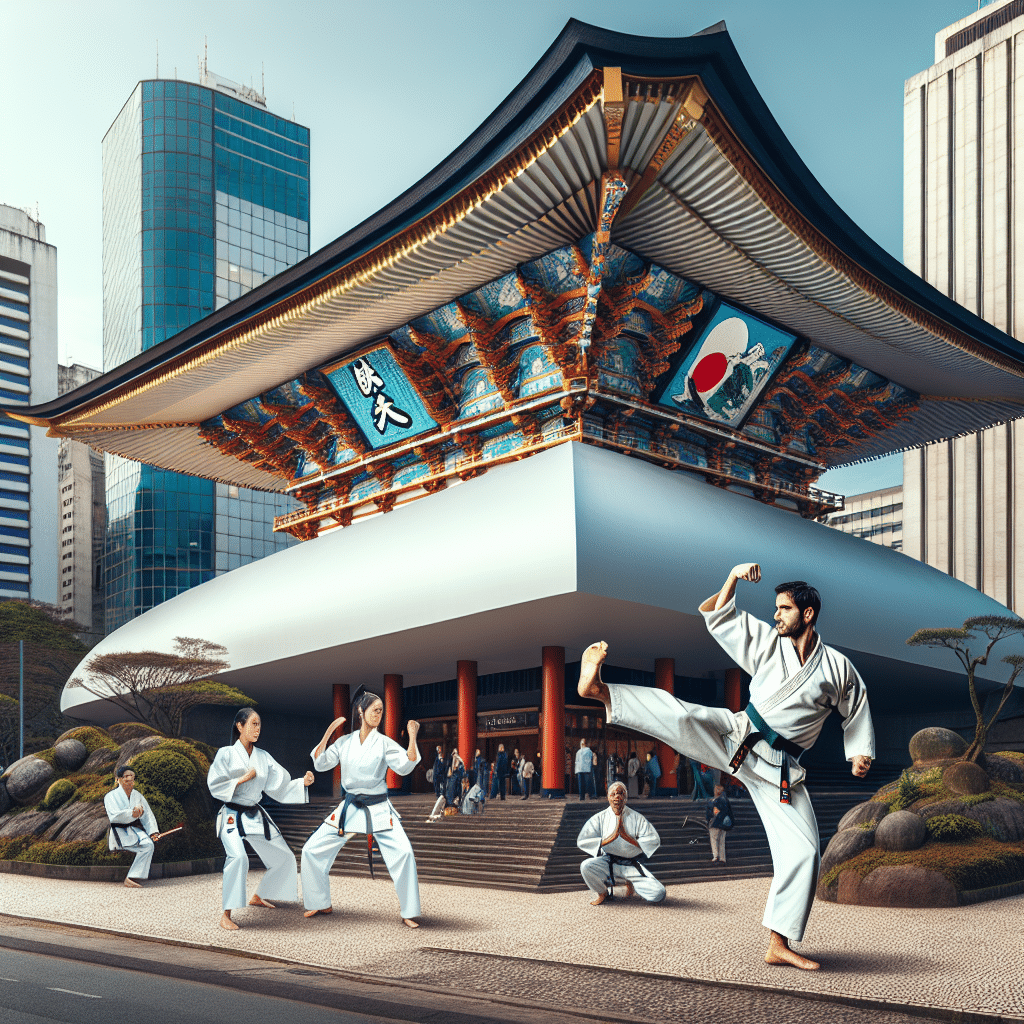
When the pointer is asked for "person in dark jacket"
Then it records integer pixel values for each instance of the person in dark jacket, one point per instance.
(440, 773)
(500, 773)
(720, 820)
(456, 774)
(653, 771)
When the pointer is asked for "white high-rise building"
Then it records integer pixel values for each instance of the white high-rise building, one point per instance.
(28, 376)
(963, 231)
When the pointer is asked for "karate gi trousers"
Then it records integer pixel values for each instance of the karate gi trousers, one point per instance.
(143, 850)
(700, 733)
(323, 845)
(281, 882)
(595, 872)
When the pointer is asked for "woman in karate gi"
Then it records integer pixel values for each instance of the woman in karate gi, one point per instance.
(364, 757)
(239, 776)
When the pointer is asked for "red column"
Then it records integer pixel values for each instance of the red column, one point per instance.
(466, 673)
(665, 679)
(393, 722)
(733, 689)
(342, 707)
(553, 734)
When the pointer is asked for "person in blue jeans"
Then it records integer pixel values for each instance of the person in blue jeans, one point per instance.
(584, 763)
(500, 773)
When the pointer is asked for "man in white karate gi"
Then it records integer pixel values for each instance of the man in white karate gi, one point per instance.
(795, 683)
(617, 839)
(133, 826)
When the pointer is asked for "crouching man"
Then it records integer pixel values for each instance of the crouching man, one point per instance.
(618, 840)
(133, 826)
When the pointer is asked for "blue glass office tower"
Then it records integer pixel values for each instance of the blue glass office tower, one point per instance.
(205, 195)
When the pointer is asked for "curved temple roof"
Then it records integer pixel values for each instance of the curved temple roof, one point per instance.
(709, 190)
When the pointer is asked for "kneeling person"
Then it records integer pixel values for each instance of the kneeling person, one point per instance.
(133, 826)
(618, 839)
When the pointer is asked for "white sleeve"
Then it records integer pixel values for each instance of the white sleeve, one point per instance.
(397, 757)
(222, 778)
(589, 839)
(858, 731)
(748, 641)
(148, 818)
(282, 787)
(116, 817)
(331, 757)
(647, 836)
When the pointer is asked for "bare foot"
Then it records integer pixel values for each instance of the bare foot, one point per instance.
(313, 913)
(600, 899)
(410, 923)
(780, 953)
(629, 891)
(132, 884)
(590, 684)
(257, 902)
(227, 924)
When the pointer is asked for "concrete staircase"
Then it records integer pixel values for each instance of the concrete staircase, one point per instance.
(531, 845)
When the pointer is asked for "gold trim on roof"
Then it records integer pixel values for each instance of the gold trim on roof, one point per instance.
(364, 267)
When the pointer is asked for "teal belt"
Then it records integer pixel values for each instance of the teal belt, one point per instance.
(765, 732)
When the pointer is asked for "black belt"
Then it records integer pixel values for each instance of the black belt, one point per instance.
(365, 803)
(243, 809)
(134, 824)
(775, 741)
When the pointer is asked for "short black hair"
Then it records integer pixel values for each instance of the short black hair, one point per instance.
(122, 768)
(803, 595)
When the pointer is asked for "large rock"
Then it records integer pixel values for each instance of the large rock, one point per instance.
(1005, 818)
(79, 822)
(905, 885)
(845, 845)
(1005, 769)
(5, 800)
(900, 830)
(870, 811)
(137, 746)
(849, 887)
(100, 760)
(936, 744)
(966, 778)
(70, 754)
(27, 780)
(31, 823)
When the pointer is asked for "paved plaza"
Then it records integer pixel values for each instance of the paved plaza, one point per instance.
(558, 951)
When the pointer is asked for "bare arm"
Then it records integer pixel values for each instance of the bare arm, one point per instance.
(749, 571)
(861, 765)
(322, 745)
(413, 751)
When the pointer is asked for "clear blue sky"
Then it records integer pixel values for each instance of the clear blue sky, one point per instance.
(388, 89)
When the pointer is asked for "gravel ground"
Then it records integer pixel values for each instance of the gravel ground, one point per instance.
(965, 959)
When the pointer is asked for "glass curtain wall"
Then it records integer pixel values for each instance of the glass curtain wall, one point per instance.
(224, 205)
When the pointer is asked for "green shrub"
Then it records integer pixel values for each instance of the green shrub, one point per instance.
(71, 853)
(91, 737)
(122, 732)
(93, 788)
(48, 756)
(164, 771)
(973, 799)
(37, 853)
(60, 792)
(167, 811)
(953, 828)
(204, 748)
(100, 854)
(11, 846)
(188, 749)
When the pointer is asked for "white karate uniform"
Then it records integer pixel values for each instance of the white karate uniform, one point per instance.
(281, 880)
(124, 836)
(363, 773)
(595, 839)
(794, 700)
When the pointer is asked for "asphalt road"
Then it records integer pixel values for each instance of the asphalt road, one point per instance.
(54, 974)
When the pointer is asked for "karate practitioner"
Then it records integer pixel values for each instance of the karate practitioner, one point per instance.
(616, 839)
(239, 776)
(133, 826)
(364, 757)
(795, 682)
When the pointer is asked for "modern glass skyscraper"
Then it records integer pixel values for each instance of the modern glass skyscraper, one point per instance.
(205, 195)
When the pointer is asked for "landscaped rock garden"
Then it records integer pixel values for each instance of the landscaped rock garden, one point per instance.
(948, 832)
(51, 802)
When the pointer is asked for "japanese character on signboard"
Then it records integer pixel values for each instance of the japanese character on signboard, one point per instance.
(371, 385)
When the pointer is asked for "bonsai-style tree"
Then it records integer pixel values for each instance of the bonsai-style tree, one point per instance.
(994, 628)
(160, 689)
